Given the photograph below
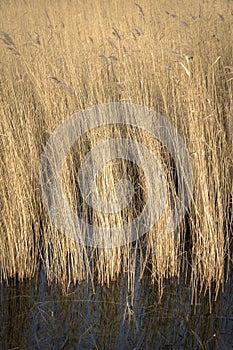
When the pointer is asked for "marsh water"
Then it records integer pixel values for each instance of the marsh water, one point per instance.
(34, 315)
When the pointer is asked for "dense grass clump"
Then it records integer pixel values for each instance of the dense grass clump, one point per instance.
(58, 58)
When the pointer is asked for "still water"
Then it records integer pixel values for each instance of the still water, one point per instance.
(36, 316)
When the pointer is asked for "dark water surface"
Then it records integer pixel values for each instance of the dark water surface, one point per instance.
(35, 316)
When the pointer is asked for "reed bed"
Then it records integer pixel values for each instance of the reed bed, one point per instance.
(58, 58)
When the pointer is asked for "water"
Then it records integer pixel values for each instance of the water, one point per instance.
(36, 316)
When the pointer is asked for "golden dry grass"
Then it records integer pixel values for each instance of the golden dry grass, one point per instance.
(59, 58)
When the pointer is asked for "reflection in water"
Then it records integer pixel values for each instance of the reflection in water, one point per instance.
(35, 316)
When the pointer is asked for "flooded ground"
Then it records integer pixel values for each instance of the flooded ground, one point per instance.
(35, 316)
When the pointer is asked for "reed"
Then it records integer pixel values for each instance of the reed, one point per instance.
(60, 58)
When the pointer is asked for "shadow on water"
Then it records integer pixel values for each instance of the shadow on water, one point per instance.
(36, 316)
